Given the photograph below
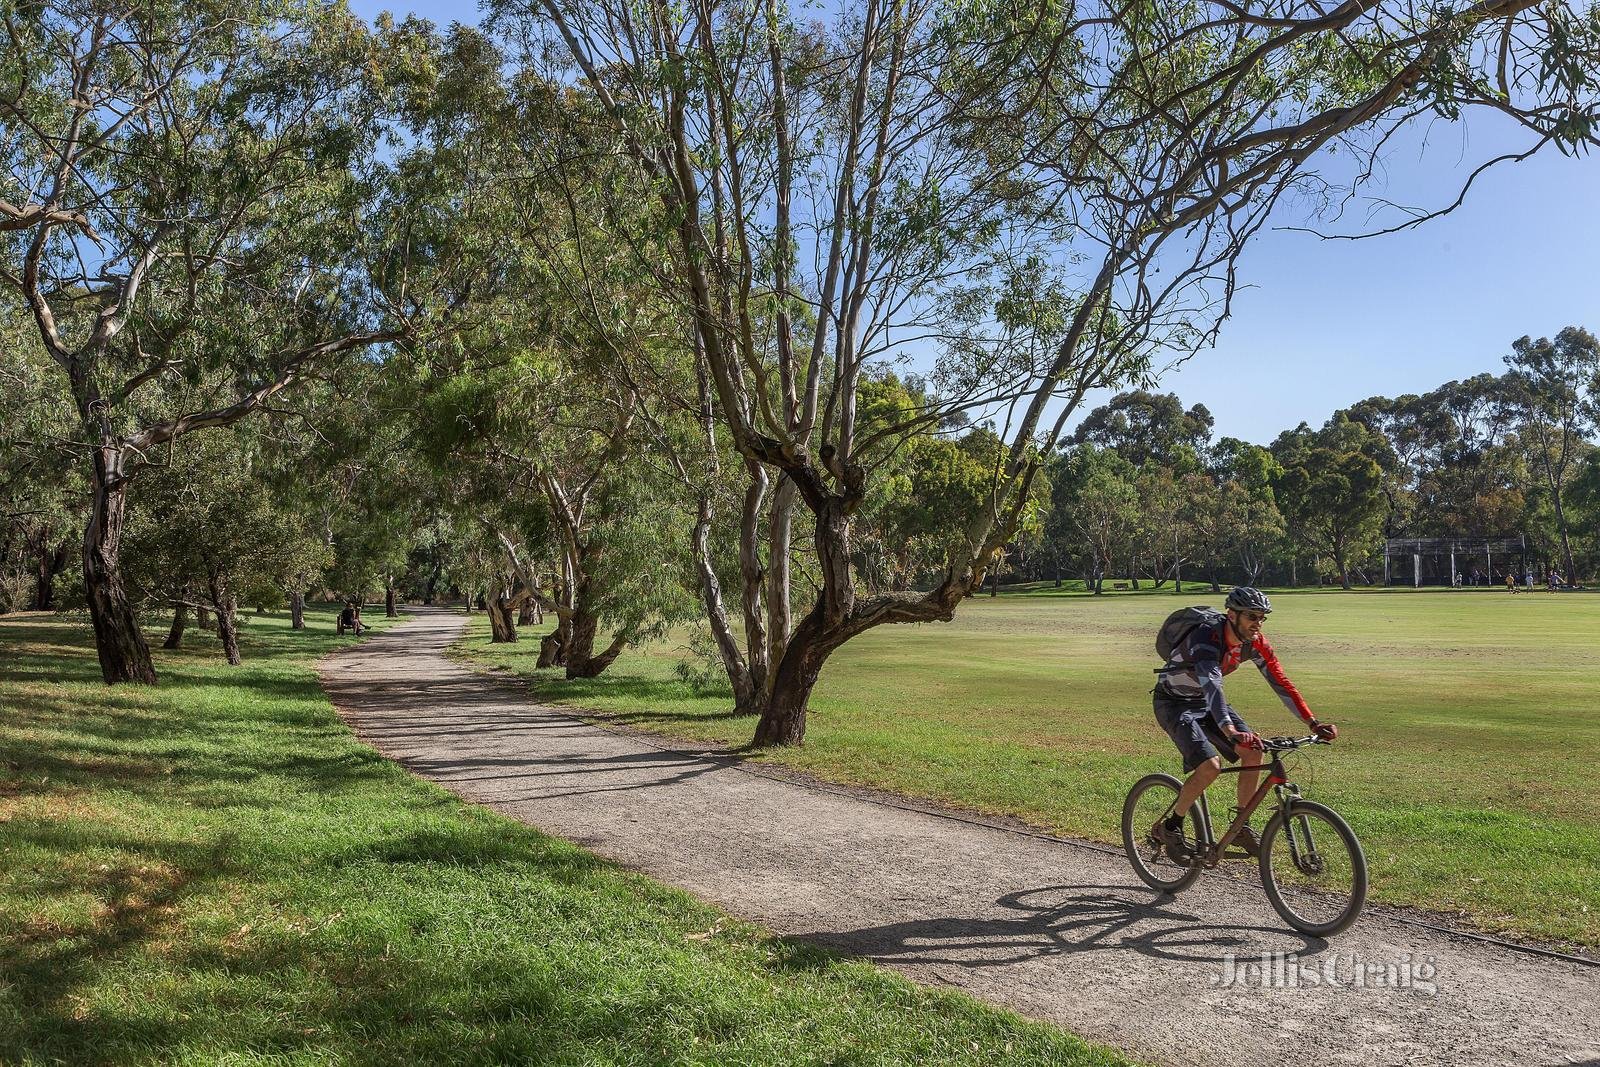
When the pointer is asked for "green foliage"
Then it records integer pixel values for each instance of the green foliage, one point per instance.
(1331, 489)
(210, 527)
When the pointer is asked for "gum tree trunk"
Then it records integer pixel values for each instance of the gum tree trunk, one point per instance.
(297, 610)
(432, 584)
(582, 661)
(227, 620)
(746, 695)
(180, 619)
(119, 643)
(753, 579)
(389, 611)
(783, 719)
(780, 617)
(502, 622)
(553, 648)
(50, 563)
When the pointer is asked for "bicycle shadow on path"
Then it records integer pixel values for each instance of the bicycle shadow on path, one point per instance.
(1063, 920)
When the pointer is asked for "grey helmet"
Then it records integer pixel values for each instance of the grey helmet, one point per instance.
(1249, 598)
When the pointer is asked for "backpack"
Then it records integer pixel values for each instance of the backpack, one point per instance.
(1179, 625)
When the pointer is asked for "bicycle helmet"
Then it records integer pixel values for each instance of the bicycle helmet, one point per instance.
(1249, 598)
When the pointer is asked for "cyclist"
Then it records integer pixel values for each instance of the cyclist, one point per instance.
(1190, 707)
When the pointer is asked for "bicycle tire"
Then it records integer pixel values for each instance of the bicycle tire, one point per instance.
(1133, 836)
(1349, 904)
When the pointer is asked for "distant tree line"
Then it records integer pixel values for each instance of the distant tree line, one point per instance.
(1144, 494)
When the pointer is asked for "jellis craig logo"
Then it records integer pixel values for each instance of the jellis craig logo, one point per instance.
(1281, 970)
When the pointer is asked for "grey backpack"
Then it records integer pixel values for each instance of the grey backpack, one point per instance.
(1179, 625)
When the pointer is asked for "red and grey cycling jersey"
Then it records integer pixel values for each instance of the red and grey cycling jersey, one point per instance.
(1194, 673)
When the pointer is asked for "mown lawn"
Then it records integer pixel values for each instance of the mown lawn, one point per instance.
(215, 870)
(1466, 764)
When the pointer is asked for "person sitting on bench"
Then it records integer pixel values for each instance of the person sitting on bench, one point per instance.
(350, 619)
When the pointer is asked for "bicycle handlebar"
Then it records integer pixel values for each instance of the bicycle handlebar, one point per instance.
(1289, 744)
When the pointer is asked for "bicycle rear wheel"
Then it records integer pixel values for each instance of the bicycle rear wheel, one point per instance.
(1151, 798)
(1313, 869)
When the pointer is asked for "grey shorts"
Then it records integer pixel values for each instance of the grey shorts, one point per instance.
(1191, 729)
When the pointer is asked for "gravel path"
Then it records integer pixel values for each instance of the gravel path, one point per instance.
(1056, 930)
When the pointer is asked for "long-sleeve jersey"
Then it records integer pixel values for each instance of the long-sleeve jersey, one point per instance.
(1199, 662)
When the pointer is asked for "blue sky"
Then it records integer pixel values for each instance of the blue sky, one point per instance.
(1326, 323)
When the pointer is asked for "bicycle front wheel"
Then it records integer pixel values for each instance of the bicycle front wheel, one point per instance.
(1313, 868)
(1151, 799)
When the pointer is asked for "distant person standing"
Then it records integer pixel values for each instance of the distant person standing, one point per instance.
(1511, 583)
(1555, 579)
(1527, 578)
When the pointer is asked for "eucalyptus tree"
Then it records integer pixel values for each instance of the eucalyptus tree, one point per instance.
(1057, 192)
(182, 207)
(1244, 473)
(1330, 489)
(208, 530)
(1095, 507)
(1547, 383)
(1149, 427)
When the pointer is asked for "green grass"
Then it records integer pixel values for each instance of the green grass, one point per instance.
(1466, 765)
(216, 870)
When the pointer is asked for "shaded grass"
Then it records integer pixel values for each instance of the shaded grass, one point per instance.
(1465, 764)
(215, 869)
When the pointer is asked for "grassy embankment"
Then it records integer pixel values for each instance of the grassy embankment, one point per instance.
(215, 869)
(1466, 765)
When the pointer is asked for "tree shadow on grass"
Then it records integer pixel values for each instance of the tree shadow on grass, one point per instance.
(301, 980)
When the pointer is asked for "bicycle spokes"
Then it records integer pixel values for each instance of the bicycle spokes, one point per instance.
(1313, 869)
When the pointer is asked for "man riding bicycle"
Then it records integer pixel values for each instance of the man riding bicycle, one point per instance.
(1190, 707)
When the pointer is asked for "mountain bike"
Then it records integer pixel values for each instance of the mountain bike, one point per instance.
(1312, 866)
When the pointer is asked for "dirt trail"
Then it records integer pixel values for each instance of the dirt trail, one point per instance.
(1054, 930)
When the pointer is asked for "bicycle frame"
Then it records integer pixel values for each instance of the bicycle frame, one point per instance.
(1277, 781)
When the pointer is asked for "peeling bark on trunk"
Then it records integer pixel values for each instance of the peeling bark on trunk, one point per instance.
(502, 623)
(553, 649)
(527, 615)
(297, 610)
(180, 619)
(119, 643)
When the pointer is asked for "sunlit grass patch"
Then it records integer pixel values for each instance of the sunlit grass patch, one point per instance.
(1465, 761)
(215, 870)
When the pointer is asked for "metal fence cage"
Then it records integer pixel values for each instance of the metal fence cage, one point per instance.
(1456, 560)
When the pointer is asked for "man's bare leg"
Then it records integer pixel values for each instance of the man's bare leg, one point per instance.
(1196, 784)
